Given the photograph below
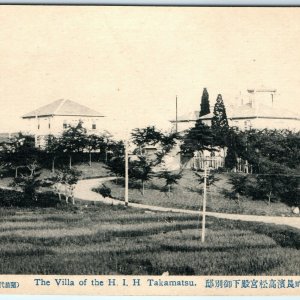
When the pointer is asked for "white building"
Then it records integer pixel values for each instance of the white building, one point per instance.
(257, 110)
(58, 116)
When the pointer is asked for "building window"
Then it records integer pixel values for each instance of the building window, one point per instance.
(49, 125)
(94, 126)
(38, 126)
(247, 125)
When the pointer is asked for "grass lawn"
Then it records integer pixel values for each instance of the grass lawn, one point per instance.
(97, 169)
(106, 239)
(188, 195)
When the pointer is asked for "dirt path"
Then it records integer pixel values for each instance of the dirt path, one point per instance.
(84, 191)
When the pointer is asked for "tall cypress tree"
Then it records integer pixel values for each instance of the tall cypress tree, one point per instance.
(204, 106)
(233, 144)
(219, 122)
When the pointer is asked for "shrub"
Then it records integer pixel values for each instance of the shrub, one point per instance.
(170, 178)
(29, 185)
(273, 188)
(104, 191)
(12, 198)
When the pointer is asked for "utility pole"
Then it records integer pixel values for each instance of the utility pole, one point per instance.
(126, 173)
(36, 130)
(176, 127)
(204, 205)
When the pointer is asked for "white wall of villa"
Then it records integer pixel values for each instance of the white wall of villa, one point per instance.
(55, 125)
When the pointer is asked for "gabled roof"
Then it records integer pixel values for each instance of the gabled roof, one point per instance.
(63, 107)
(192, 116)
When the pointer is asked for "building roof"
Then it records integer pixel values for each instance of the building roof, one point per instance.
(244, 112)
(191, 116)
(63, 107)
(263, 111)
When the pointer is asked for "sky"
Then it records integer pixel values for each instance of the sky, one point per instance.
(129, 63)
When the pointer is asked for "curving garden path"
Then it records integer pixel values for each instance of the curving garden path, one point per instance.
(83, 190)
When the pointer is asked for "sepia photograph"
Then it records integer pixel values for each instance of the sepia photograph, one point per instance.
(154, 141)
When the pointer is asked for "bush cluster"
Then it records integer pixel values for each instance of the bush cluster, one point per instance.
(12, 198)
(279, 188)
(104, 191)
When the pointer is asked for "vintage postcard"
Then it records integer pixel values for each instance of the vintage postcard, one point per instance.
(149, 150)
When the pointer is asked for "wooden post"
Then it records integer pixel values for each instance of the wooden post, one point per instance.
(176, 128)
(53, 166)
(126, 173)
(204, 205)
(36, 130)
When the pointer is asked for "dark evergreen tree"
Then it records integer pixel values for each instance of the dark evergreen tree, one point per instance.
(170, 178)
(234, 145)
(219, 123)
(204, 106)
(117, 166)
(231, 158)
(197, 138)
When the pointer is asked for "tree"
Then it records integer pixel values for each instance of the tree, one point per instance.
(268, 187)
(231, 159)
(68, 176)
(73, 141)
(54, 149)
(210, 177)
(274, 156)
(197, 138)
(140, 170)
(168, 141)
(151, 136)
(146, 136)
(93, 143)
(170, 178)
(204, 106)
(166, 144)
(116, 148)
(21, 153)
(239, 186)
(278, 146)
(29, 185)
(233, 143)
(117, 166)
(219, 122)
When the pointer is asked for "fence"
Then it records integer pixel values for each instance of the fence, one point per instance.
(211, 162)
(198, 163)
(243, 166)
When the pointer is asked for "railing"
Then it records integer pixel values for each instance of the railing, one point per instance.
(198, 163)
(243, 166)
(210, 162)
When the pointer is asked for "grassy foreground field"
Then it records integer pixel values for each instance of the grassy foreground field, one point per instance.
(115, 240)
